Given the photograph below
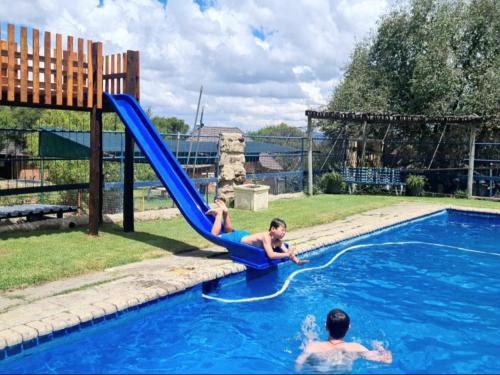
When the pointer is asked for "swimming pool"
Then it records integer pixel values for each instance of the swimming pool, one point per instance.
(427, 289)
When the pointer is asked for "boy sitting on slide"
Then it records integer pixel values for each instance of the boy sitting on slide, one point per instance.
(270, 241)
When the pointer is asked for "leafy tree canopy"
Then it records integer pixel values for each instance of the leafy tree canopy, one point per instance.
(428, 57)
(280, 130)
(170, 124)
(431, 57)
(29, 118)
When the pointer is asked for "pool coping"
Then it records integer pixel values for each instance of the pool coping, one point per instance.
(55, 309)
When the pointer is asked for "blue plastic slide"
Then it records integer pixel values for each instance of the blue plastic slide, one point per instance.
(177, 182)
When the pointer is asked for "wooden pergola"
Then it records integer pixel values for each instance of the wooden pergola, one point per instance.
(398, 119)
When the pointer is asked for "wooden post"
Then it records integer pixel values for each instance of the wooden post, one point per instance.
(363, 150)
(310, 156)
(96, 179)
(132, 88)
(472, 152)
(302, 160)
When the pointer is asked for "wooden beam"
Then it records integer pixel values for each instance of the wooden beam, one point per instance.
(36, 66)
(363, 149)
(1, 63)
(392, 118)
(90, 73)
(310, 156)
(112, 72)
(58, 76)
(128, 179)
(47, 68)
(69, 72)
(11, 62)
(96, 180)
(24, 65)
(472, 154)
(79, 76)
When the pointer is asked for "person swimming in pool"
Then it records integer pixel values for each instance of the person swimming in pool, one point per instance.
(337, 325)
(270, 241)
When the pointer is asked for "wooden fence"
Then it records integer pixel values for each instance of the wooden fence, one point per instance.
(47, 74)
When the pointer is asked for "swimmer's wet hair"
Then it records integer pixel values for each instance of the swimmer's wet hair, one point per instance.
(276, 223)
(337, 323)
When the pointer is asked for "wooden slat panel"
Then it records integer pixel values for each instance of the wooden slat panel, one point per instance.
(47, 75)
(113, 72)
(114, 76)
(24, 65)
(69, 69)
(52, 78)
(124, 59)
(36, 66)
(137, 75)
(79, 80)
(59, 67)
(90, 72)
(1, 62)
(11, 72)
(98, 70)
(119, 70)
(42, 57)
(106, 71)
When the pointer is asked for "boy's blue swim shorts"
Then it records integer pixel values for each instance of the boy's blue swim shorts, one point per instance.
(235, 235)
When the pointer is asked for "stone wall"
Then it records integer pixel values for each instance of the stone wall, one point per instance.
(231, 164)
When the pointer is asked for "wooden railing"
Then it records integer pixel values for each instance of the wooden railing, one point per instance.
(48, 74)
(117, 71)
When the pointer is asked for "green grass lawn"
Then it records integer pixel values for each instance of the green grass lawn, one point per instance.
(30, 258)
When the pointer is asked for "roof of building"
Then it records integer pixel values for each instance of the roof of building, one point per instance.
(269, 162)
(73, 144)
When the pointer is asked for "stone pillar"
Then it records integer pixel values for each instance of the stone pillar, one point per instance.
(231, 163)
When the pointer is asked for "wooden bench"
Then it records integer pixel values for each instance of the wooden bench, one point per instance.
(34, 211)
(388, 177)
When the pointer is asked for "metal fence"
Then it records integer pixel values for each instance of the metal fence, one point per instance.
(52, 166)
(442, 161)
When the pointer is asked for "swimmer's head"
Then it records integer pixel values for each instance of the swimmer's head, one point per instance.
(337, 323)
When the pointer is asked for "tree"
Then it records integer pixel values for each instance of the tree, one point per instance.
(284, 135)
(280, 130)
(67, 120)
(431, 57)
(352, 94)
(7, 119)
(170, 124)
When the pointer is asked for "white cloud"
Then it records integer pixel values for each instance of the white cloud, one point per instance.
(260, 61)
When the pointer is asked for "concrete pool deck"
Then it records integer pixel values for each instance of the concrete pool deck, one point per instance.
(33, 313)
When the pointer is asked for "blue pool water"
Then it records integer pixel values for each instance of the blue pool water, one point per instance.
(428, 290)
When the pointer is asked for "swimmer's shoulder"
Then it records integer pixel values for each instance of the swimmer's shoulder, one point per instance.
(318, 347)
(353, 347)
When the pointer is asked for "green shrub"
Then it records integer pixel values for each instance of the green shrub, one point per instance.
(460, 194)
(415, 185)
(317, 188)
(332, 183)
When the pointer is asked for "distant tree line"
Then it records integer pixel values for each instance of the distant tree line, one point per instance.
(29, 118)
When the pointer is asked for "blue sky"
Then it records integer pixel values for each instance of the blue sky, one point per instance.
(260, 62)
